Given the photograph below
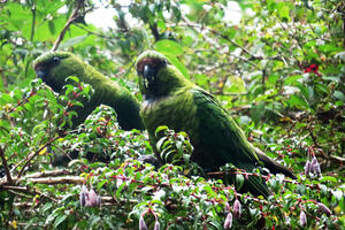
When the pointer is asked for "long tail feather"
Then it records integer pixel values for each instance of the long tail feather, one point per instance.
(257, 186)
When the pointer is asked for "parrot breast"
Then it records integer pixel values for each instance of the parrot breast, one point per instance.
(176, 111)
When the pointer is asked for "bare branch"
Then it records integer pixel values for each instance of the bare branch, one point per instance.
(24, 189)
(22, 102)
(154, 31)
(4, 163)
(59, 180)
(32, 155)
(215, 32)
(337, 158)
(44, 180)
(56, 172)
(244, 173)
(71, 19)
(33, 10)
(33, 23)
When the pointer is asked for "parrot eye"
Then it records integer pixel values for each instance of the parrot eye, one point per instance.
(56, 60)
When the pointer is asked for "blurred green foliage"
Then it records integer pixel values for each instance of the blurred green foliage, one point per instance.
(279, 71)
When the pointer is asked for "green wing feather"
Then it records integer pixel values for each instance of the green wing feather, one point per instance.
(221, 141)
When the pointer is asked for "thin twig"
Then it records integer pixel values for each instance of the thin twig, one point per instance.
(50, 173)
(22, 102)
(71, 19)
(33, 10)
(25, 189)
(59, 180)
(31, 156)
(4, 163)
(316, 143)
(337, 158)
(83, 27)
(246, 174)
(28, 60)
(225, 37)
(154, 30)
(44, 180)
(200, 28)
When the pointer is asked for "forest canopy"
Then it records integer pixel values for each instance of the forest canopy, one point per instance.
(275, 66)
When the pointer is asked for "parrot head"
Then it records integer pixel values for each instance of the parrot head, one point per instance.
(54, 67)
(148, 67)
(157, 77)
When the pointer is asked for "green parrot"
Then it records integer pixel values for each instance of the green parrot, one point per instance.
(54, 67)
(170, 99)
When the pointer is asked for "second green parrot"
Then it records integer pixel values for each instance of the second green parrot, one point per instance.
(170, 99)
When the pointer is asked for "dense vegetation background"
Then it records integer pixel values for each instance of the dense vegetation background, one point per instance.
(279, 71)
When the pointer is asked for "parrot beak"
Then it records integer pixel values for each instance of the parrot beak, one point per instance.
(149, 75)
(149, 72)
(41, 73)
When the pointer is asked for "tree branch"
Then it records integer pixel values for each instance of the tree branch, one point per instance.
(28, 61)
(25, 189)
(339, 159)
(32, 155)
(75, 14)
(225, 37)
(33, 10)
(50, 173)
(154, 31)
(4, 163)
(59, 180)
(44, 180)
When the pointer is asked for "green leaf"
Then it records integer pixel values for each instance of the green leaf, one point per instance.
(160, 143)
(332, 78)
(177, 64)
(297, 101)
(95, 221)
(328, 178)
(292, 79)
(51, 26)
(73, 78)
(273, 78)
(118, 192)
(339, 95)
(283, 10)
(46, 207)
(169, 47)
(237, 85)
(239, 181)
(73, 41)
(100, 184)
(59, 220)
(165, 154)
(160, 129)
